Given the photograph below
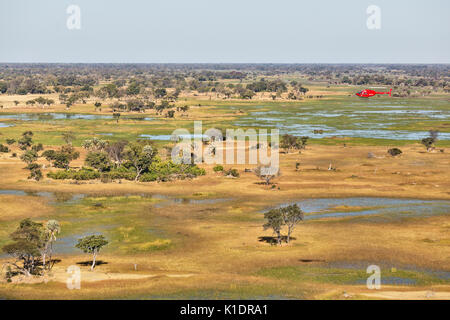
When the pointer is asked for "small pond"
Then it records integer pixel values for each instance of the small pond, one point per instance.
(67, 116)
(365, 206)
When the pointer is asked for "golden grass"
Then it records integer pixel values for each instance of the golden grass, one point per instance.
(219, 247)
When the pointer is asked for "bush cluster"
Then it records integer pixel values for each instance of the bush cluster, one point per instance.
(395, 152)
(158, 171)
(82, 174)
(232, 172)
(3, 148)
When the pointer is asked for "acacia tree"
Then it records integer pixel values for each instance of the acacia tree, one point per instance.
(288, 216)
(27, 247)
(35, 171)
(303, 90)
(37, 147)
(140, 154)
(92, 244)
(303, 142)
(26, 141)
(41, 101)
(29, 156)
(275, 222)
(292, 215)
(63, 157)
(49, 155)
(429, 142)
(98, 160)
(289, 142)
(267, 173)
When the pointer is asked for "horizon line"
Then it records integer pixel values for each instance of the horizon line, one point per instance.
(224, 63)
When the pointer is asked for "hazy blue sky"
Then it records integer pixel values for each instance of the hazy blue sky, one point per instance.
(412, 31)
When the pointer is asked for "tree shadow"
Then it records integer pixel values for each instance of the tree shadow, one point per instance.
(273, 240)
(263, 183)
(89, 263)
(53, 262)
(311, 260)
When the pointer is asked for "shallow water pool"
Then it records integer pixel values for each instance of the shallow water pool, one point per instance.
(366, 206)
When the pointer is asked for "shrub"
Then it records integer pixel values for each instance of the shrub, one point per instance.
(49, 155)
(37, 147)
(26, 141)
(82, 174)
(431, 140)
(122, 173)
(4, 149)
(168, 170)
(105, 178)
(158, 171)
(35, 171)
(85, 174)
(35, 174)
(232, 172)
(290, 142)
(98, 160)
(61, 160)
(218, 168)
(395, 152)
(29, 156)
(153, 176)
(59, 175)
(428, 143)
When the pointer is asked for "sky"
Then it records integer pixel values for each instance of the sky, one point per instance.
(225, 31)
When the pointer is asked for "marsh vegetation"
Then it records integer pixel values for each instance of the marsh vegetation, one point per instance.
(85, 168)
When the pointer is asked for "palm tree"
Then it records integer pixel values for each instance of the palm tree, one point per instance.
(52, 228)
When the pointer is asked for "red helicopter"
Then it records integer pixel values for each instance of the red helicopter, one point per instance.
(367, 93)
